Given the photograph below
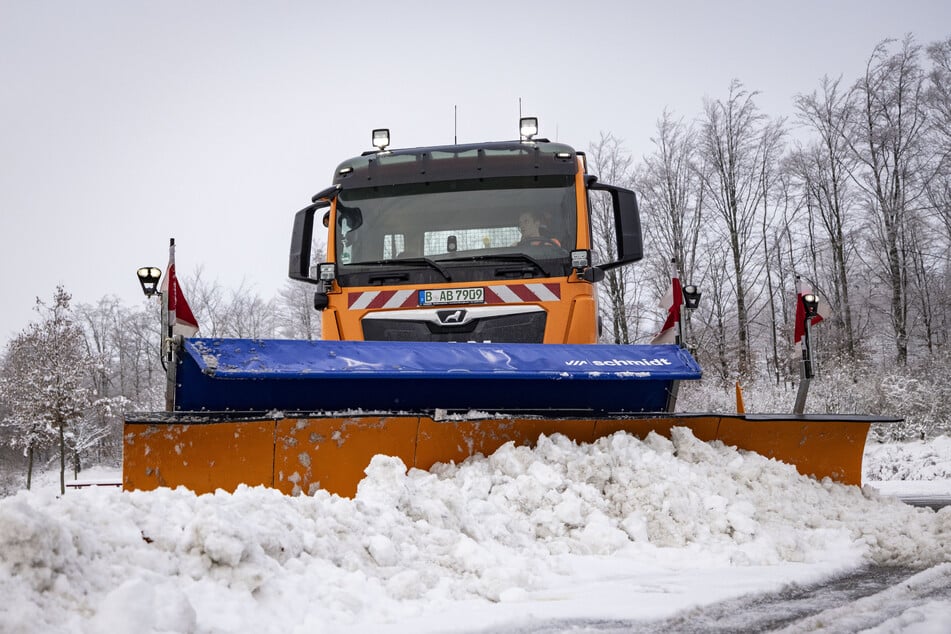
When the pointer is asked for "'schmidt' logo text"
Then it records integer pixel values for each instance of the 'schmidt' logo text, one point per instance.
(619, 362)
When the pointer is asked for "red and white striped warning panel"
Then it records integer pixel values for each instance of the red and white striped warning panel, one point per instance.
(517, 293)
(498, 294)
(383, 299)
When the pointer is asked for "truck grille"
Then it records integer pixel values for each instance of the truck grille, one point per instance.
(478, 324)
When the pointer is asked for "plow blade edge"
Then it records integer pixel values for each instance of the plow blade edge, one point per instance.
(300, 454)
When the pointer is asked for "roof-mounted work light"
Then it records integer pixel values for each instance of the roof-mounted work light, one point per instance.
(691, 296)
(149, 277)
(381, 138)
(811, 303)
(528, 127)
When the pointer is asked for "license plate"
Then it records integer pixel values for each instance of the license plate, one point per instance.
(439, 296)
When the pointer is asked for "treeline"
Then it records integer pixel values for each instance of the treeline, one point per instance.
(68, 377)
(853, 194)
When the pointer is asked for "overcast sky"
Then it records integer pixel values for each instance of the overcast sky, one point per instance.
(124, 123)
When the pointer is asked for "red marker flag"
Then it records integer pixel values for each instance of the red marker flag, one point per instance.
(800, 329)
(180, 317)
(672, 301)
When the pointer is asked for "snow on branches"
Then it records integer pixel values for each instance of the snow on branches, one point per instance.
(44, 380)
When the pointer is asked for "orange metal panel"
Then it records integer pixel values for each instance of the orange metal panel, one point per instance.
(581, 200)
(202, 457)
(303, 454)
(332, 453)
(330, 325)
(456, 440)
(825, 448)
(582, 319)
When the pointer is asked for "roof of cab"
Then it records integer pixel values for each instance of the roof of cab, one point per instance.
(457, 162)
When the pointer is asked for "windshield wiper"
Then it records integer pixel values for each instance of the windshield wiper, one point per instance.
(503, 257)
(407, 261)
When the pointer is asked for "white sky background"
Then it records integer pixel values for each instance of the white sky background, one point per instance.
(125, 123)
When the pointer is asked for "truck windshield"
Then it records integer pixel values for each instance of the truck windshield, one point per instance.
(453, 219)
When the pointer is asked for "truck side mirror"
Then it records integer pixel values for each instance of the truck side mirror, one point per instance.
(298, 267)
(627, 224)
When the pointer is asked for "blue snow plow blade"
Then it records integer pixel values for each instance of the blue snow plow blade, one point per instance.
(252, 375)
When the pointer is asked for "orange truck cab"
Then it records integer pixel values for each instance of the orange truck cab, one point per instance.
(484, 242)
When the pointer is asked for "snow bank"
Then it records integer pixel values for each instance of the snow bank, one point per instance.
(915, 460)
(492, 529)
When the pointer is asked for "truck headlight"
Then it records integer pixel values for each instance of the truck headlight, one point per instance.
(327, 272)
(580, 259)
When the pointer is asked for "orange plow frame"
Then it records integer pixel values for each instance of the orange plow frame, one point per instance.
(303, 454)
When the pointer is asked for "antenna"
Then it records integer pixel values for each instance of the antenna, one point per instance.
(455, 125)
(519, 114)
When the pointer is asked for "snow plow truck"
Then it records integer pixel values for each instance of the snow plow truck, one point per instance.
(459, 311)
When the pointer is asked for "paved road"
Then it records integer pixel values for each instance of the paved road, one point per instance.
(854, 602)
(931, 501)
(834, 604)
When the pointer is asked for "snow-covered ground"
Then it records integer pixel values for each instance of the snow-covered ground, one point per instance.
(619, 530)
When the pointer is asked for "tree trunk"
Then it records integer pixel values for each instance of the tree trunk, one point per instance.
(619, 314)
(62, 458)
(76, 464)
(29, 466)
(742, 318)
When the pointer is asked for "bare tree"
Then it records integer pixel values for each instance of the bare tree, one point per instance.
(246, 315)
(139, 373)
(779, 274)
(887, 140)
(99, 327)
(207, 301)
(939, 188)
(672, 199)
(823, 172)
(228, 313)
(716, 350)
(737, 143)
(939, 94)
(609, 160)
(295, 315)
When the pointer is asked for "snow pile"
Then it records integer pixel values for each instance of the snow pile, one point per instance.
(915, 460)
(493, 529)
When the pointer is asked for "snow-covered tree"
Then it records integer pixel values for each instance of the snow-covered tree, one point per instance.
(21, 430)
(102, 420)
(44, 383)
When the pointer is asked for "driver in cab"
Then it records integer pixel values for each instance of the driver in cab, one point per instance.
(530, 224)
